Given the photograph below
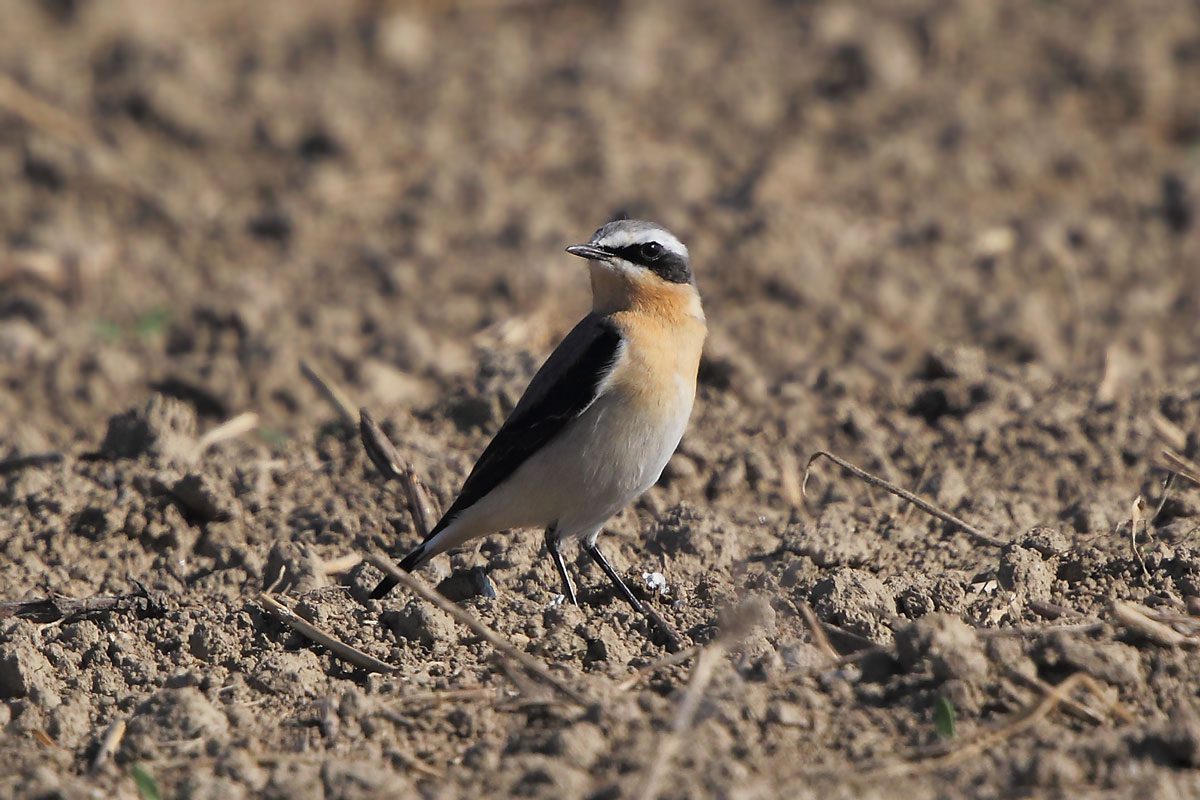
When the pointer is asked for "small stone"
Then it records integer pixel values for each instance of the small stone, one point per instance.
(468, 583)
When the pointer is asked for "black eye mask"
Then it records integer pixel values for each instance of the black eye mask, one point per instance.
(653, 256)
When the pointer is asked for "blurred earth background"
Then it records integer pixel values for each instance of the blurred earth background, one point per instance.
(953, 242)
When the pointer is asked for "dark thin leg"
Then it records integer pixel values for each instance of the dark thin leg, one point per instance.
(598, 557)
(552, 545)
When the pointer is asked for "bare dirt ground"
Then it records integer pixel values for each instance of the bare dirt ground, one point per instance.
(953, 242)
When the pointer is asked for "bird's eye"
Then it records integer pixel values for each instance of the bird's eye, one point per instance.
(651, 250)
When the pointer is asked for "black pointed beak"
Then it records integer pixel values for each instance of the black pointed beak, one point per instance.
(589, 251)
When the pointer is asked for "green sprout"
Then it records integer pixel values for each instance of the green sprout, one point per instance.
(943, 718)
(146, 785)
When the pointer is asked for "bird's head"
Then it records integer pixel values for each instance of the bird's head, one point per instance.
(635, 264)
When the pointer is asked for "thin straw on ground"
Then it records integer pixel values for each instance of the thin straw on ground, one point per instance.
(229, 429)
(109, 743)
(662, 663)
(387, 460)
(904, 494)
(56, 608)
(818, 632)
(336, 566)
(329, 390)
(305, 628)
(1133, 618)
(1181, 466)
(702, 673)
(505, 648)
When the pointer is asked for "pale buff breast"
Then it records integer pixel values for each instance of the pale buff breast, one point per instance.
(665, 335)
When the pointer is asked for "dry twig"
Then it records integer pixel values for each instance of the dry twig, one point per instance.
(1135, 517)
(305, 628)
(1181, 466)
(1085, 626)
(789, 485)
(387, 460)
(1075, 708)
(38, 113)
(1168, 431)
(702, 673)
(662, 663)
(332, 393)
(904, 494)
(530, 665)
(817, 631)
(60, 608)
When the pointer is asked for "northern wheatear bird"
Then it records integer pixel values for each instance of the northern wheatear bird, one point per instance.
(602, 416)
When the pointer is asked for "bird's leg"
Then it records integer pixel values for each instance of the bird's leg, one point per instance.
(598, 557)
(553, 544)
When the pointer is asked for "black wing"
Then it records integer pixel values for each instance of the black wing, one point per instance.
(562, 389)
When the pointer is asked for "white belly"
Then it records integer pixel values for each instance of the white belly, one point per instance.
(602, 462)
